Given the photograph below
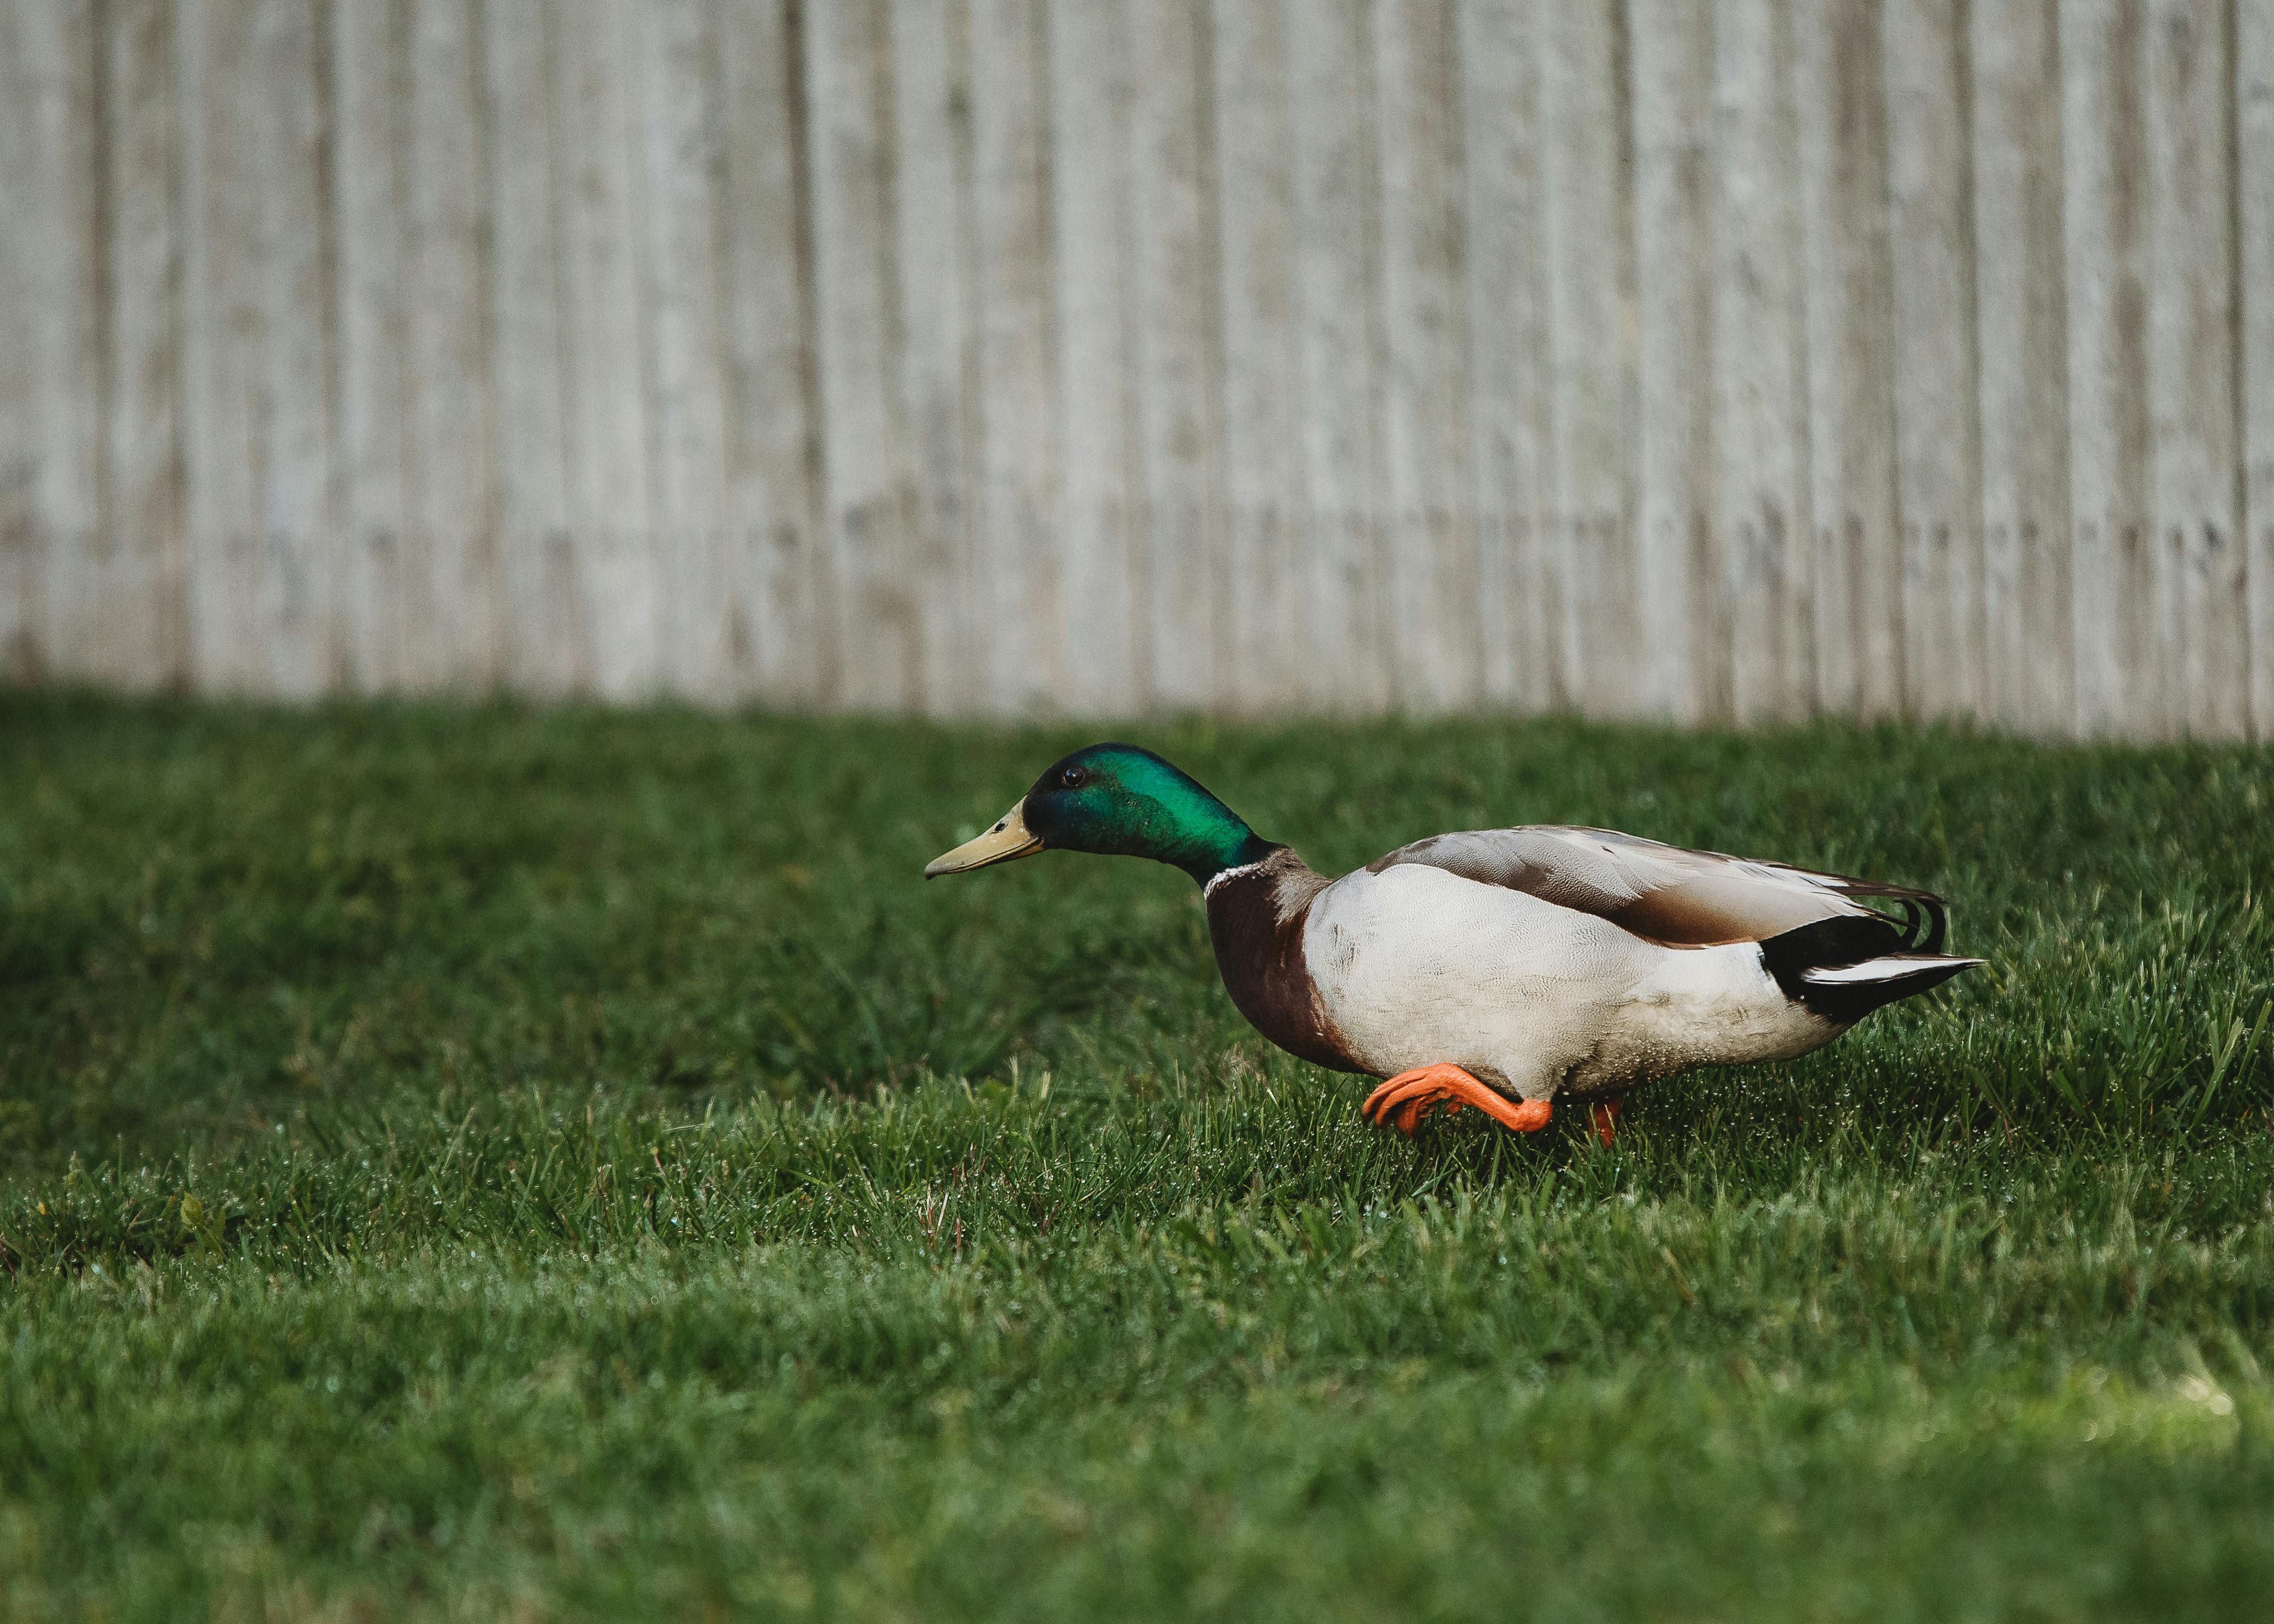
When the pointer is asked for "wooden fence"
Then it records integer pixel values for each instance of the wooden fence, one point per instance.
(1730, 360)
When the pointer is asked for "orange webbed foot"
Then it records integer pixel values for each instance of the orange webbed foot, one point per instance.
(1403, 1100)
(1603, 1116)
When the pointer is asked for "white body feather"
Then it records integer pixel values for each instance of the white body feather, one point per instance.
(1415, 965)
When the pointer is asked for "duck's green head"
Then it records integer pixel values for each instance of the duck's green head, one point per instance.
(1121, 800)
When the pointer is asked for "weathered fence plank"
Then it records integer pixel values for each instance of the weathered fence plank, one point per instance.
(1761, 474)
(606, 429)
(1176, 370)
(949, 356)
(1339, 363)
(2191, 360)
(1938, 477)
(2105, 206)
(857, 275)
(59, 217)
(770, 563)
(1253, 182)
(1091, 112)
(535, 561)
(1685, 622)
(1507, 376)
(2253, 81)
(939, 379)
(1437, 661)
(1596, 585)
(1840, 117)
(2029, 652)
(1019, 487)
(451, 633)
(138, 643)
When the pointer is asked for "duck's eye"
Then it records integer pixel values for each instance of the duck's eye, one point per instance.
(1072, 777)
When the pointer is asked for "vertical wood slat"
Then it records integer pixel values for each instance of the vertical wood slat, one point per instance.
(536, 561)
(1763, 535)
(1338, 363)
(367, 63)
(1090, 115)
(452, 624)
(2103, 213)
(220, 195)
(292, 435)
(683, 126)
(2203, 652)
(856, 305)
(1507, 382)
(1022, 588)
(1175, 373)
(931, 82)
(605, 408)
(771, 564)
(2029, 649)
(1253, 181)
(55, 217)
(141, 606)
(18, 393)
(1596, 585)
(2254, 89)
(1937, 440)
(1840, 116)
(1438, 662)
(1685, 624)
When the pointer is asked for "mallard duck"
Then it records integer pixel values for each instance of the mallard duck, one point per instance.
(1500, 968)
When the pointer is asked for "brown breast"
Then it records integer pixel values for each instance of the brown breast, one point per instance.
(1255, 920)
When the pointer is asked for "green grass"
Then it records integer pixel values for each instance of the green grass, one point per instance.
(471, 1164)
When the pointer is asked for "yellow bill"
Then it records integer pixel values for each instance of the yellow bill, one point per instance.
(1009, 838)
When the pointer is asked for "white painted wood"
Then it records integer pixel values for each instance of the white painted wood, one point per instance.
(1840, 116)
(1436, 660)
(369, 149)
(1254, 179)
(452, 625)
(140, 638)
(1091, 105)
(1497, 58)
(1338, 355)
(939, 366)
(434, 343)
(606, 409)
(2191, 371)
(220, 279)
(771, 562)
(681, 127)
(2029, 668)
(290, 429)
(856, 271)
(1020, 567)
(1177, 369)
(1588, 355)
(19, 584)
(536, 559)
(1685, 649)
(2105, 224)
(1937, 478)
(1761, 477)
(2253, 81)
(60, 215)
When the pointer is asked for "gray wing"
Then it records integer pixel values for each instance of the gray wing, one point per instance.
(1665, 893)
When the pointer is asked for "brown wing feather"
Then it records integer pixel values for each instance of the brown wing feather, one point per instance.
(1666, 893)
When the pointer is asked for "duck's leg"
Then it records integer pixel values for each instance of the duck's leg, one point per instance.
(1603, 1116)
(1403, 1100)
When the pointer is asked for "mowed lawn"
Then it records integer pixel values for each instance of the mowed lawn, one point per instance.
(481, 1162)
